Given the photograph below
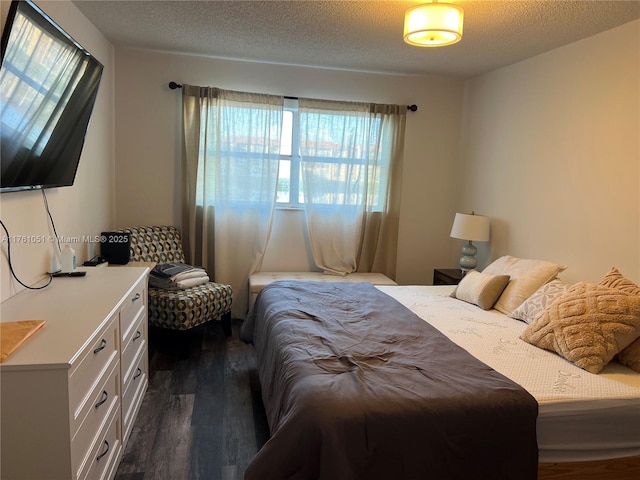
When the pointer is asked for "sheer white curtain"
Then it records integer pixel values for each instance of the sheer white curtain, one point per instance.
(351, 166)
(230, 172)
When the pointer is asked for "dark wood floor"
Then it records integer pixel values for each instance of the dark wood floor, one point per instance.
(202, 416)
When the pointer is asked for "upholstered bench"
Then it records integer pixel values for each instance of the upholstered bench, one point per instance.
(178, 309)
(258, 280)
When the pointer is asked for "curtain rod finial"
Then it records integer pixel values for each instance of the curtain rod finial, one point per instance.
(413, 108)
(174, 85)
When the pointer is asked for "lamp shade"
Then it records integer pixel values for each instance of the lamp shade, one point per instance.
(433, 24)
(470, 227)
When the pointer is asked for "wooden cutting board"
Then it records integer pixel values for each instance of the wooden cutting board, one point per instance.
(14, 334)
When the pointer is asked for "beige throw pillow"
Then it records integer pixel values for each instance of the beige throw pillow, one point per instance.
(481, 289)
(526, 276)
(614, 279)
(629, 356)
(588, 325)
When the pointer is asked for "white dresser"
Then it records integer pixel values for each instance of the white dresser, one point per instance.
(69, 396)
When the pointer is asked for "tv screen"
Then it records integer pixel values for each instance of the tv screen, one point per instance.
(48, 87)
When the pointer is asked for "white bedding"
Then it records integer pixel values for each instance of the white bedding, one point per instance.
(581, 416)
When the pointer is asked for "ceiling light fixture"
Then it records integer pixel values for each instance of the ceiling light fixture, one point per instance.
(433, 24)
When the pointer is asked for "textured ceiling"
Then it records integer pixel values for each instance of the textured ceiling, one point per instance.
(354, 35)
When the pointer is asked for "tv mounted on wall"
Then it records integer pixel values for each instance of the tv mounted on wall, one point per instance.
(48, 87)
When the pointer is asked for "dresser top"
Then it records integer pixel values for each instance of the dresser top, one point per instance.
(74, 309)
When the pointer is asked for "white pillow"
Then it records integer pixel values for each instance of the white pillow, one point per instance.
(534, 306)
(526, 277)
(481, 289)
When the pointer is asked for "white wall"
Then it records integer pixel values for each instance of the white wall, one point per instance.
(87, 207)
(552, 154)
(148, 143)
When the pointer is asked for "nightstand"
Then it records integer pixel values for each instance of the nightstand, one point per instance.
(447, 276)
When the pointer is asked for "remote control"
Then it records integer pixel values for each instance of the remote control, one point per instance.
(68, 274)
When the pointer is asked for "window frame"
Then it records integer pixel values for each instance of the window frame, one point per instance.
(294, 203)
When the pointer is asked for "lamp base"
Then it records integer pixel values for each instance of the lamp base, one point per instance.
(468, 260)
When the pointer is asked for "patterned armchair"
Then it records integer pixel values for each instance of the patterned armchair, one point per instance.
(178, 309)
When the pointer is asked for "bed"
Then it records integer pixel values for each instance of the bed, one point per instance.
(381, 403)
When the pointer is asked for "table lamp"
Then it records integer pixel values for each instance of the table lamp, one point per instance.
(472, 228)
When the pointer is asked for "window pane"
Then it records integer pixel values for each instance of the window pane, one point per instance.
(284, 181)
(301, 188)
(287, 133)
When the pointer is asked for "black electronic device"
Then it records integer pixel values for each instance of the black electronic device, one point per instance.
(114, 247)
(48, 85)
(68, 274)
(94, 262)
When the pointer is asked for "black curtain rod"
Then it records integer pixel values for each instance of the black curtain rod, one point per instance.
(174, 85)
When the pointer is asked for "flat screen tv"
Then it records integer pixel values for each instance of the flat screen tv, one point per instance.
(48, 87)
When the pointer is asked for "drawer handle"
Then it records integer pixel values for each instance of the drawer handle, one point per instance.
(137, 335)
(105, 451)
(102, 346)
(104, 398)
(137, 374)
(136, 297)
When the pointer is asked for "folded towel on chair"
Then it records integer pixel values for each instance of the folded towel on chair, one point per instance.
(192, 282)
(194, 273)
(175, 276)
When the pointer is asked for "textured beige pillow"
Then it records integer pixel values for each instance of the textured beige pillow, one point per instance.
(481, 289)
(534, 306)
(526, 277)
(614, 279)
(629, 356)
(588, 325)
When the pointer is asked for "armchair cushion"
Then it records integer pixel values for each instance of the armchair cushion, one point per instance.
(183, 309)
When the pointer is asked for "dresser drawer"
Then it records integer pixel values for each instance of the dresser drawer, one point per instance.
(105, 454)
(104, 398)
(134, 391)
(92, 366)
(132, 344)
(131, 308)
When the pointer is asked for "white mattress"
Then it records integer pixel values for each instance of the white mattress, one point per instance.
(581, 416)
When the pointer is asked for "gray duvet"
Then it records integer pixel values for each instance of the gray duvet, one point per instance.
(356, 386)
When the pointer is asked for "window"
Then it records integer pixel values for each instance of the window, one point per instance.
(346, 160)
(239, 153)
(338, 148)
